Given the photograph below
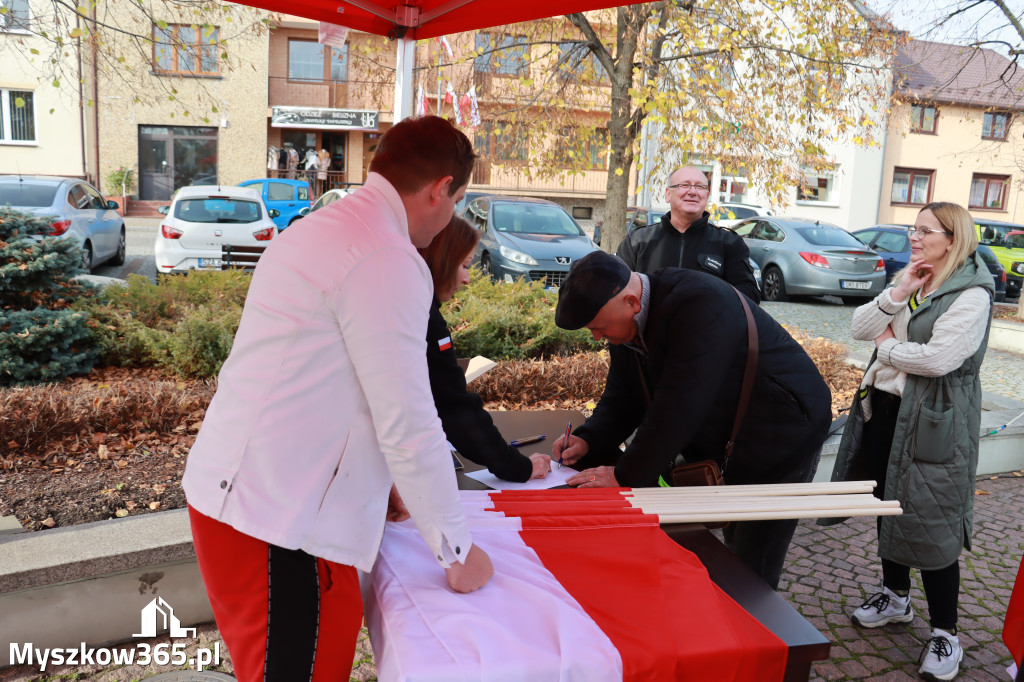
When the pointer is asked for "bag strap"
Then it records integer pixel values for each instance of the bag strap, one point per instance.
(748, 377)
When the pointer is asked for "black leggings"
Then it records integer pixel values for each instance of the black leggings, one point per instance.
(942, 586)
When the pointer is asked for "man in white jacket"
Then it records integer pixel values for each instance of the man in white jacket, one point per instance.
(323, 423)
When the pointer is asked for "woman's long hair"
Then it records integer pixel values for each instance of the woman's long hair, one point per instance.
(445, 254)
(955, 219)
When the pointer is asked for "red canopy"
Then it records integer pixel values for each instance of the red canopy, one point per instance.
(428, 18)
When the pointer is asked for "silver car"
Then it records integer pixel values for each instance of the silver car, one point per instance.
(76, 211)
(806, 257)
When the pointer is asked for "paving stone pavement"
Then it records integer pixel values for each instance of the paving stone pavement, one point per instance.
(830, 570)
(1001, 373)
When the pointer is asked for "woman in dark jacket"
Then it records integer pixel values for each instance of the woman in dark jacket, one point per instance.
(466, 424)
(914, 426)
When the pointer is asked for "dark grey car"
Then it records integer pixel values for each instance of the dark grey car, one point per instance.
(529, 239)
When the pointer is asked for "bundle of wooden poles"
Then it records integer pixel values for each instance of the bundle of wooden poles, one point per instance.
(761, 502)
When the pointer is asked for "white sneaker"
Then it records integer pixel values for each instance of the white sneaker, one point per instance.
(882, 608)
(942, 656)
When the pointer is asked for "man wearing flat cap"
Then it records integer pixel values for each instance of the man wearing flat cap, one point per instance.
(680, 337)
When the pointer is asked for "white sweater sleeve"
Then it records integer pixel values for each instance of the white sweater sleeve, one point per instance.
(956, 336)
(871, 319)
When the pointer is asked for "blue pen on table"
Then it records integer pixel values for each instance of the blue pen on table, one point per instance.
(565, 443)
(526, 441)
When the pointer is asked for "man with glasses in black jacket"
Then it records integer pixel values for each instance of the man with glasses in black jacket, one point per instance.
(684, 238)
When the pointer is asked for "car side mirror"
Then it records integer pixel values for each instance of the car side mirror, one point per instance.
(273, 212)
(113, 205)
(162, 210)
(304, 211)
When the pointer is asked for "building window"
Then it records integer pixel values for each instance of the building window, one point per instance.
(308, 60)
(579, 149)
(923, 119)
(502, 142)
(816, 187)
(995, 126)
(911, 186)
(989, 191)
(578, 64)
(186, 50)
(732, 187)
(14, 15)
(508, 56)
(17, 117)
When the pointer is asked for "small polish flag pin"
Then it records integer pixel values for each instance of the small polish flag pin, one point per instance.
(445, 343)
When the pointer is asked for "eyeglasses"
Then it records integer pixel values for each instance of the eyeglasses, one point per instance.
(687, 186)
(923, 232)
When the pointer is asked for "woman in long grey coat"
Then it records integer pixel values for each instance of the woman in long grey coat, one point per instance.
(915, 423)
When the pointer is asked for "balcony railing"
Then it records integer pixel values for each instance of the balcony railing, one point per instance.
(327, 94)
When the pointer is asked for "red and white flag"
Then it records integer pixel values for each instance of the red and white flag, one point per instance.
(474, 112)
(445, 343)
(465, 106)
(585, 588)
(332, 34)
(421, 101)
(447, 46)
(1013, 625)
(450, 98)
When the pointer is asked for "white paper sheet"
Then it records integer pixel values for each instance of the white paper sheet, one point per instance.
(557, 476)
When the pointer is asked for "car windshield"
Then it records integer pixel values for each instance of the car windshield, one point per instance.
(217, 210)
(829, 236)
(534, 219)
(27, 194)
(1006, 236)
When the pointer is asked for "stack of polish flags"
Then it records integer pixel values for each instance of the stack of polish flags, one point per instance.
(587, 587)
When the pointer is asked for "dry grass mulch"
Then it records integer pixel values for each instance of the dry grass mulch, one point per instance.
(114, 443)
(1008, 311)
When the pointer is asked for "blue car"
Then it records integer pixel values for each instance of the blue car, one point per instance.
(76, 211)
(289, 197)
(530, 239)
(893, 245)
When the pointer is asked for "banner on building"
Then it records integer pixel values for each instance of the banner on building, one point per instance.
(324, 119)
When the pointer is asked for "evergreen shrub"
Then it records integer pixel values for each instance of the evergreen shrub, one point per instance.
(185, 323)
(41, 338)
(510, 322)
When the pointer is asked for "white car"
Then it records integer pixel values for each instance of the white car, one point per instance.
(728, 214)
(202, 219)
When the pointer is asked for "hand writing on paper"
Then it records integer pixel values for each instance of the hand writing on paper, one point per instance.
(396, 508)
(541, 465)
(471, 575)
(884, 336)
(598, 477)
(570, 449)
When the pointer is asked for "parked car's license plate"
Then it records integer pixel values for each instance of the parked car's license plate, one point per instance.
(847, 284)
(210, 262)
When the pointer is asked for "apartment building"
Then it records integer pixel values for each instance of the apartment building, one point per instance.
(42, 129)
(330, 93)
(956, 134)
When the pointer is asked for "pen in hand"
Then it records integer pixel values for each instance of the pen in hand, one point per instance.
(526, 441)
(565, 443)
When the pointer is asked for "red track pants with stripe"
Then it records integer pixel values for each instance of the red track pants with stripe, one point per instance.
(284, 615)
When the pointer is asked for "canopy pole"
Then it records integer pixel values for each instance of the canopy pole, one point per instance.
(403, 77)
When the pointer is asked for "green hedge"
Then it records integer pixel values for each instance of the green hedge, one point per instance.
(510, 322)
(187, 323)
